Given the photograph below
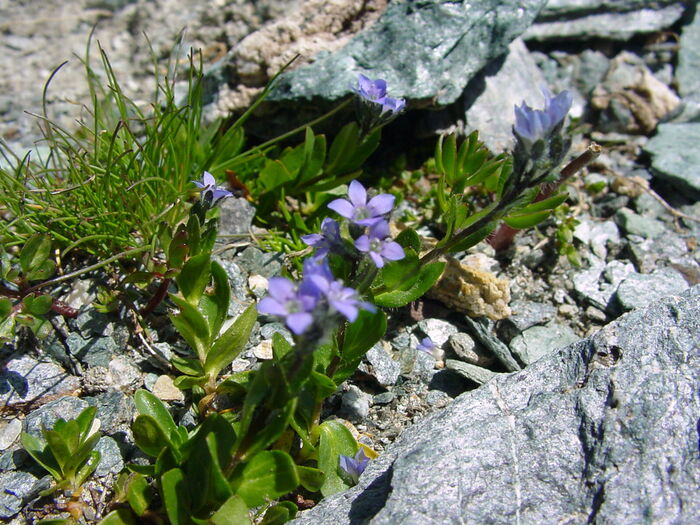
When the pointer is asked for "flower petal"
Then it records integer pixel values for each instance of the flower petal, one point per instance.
(312, 239)
(342, 208)
(347, 308)
(393, 251)
(377, 259)
(208, 179)
(281, 288)
(357, 194)
(362, 243)
(298, 322)
(381, 204)
(270, 306)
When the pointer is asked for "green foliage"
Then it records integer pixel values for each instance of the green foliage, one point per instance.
(66, 451)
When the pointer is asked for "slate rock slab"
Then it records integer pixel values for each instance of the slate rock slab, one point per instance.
(424, 50)
(639, 289)
(676, 157)
(601, 431)
(24, 380)
(688, 70)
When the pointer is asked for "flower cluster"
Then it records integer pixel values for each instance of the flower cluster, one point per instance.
(532, 125)
(376, 241)
(211, 193)
(316, 298)
(374, 91)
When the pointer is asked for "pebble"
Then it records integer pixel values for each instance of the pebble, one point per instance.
(165, 390)
(18, 488)
(474, 373)
(111, 461)
(634, 224)
(263, 350)
(383, 367)
(66, 408)
(355, 404)
(538, 341)
(123, 375)
(596, 315)
(640, 290)
(438, 330)
(258, 285)
(9, 432)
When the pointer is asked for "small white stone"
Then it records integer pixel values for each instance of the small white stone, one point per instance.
(9, 432)
(263, 350)
(258, 285)
(165, 390)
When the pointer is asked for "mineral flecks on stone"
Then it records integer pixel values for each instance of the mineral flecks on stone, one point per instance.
(618, 410)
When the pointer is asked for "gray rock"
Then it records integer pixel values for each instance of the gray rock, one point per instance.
(525, 314)
(115, 410)
(649, 254)
(423, 366)
(482, 332)
(383, 398)
(675, 156)
(111, 461)
(597, 284)
(9, 432)
(603, 19)
(269, 329)
(256, 262)
(597, 235)
(91, 322)
(17, 489)
(466, 349)
(236, 217)
(438, 330)
(634, 224)
(97, 351)
(688, 68)
(65, 408)
(503, 83)
(238, 279)
(384, 368)
(601, 431)
(424, 50)
(355, 404)
(639, 290)
(648, 206)
(25, 379)
(538, 341)
(476, 374)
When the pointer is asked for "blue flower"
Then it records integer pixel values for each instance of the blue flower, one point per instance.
(426, 345)
(354, 466)
(327, 240)
(210, 191)
(374, 91)
(379, 246)
(371, 90)
(341, 299)
(294, 305)
(532, 125)
(358, 210)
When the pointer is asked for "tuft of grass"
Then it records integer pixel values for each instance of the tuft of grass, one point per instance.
(112, 184)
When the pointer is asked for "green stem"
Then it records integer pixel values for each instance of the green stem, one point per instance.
(95, 266)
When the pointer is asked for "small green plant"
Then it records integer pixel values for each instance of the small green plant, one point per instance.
(21, 303)
(66, 452)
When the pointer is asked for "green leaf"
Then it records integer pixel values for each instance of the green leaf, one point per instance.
(139, 494)
(5, 307)
(409, 239)
(119, 517)
(149, 435)
(233, 512)
(280, 346)
(268, 475)
(276, 515)
(360, 336)
(545, 204)
(191, 324)
(428, 276)
(324, 384)
(145, 470)
(42, 271)
(220, 297)
(149, 405)
(274, 174)
(38, 304)
(342, 149)
(194, 277)
(334, 439)
(401, 274)
(193, 230)
(528, 220)
(449, 154)
(192, 367)
(311, 479)
(85, 420)
(38, 450)
(176, 496)
(189, 382)
(231, 342)
(88, 468)
(34, 253)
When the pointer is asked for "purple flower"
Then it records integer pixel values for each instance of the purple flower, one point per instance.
(354, 466)
(394, 105)
(358, 210)
(327, 240)
(371, 90)
(342, 299)
(379, 245)
(532, 125)
(209, 188)
(294, 305)
(374, 91)
(426, 345)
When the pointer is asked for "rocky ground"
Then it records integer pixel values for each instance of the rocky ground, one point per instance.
(632, 66)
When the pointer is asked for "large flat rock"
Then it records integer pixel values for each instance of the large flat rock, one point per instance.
(601, 431)
(425, 50)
